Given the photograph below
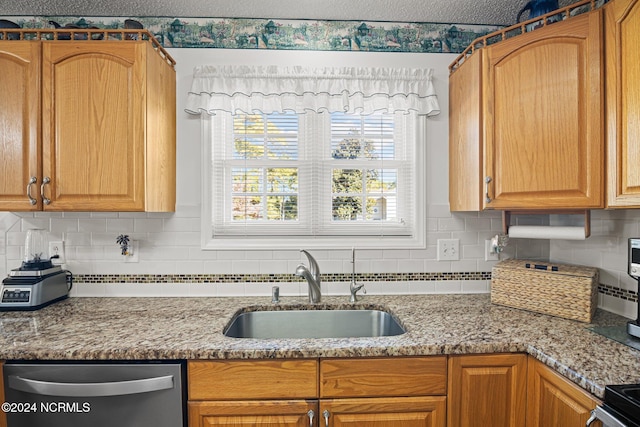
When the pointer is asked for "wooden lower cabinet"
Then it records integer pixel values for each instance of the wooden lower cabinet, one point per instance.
(366, 392)
(252, 392)
(553, 401)
(252, 379)
(497, 390)
(270, 413)
(427, 411)
(383, 377)
(487, 390)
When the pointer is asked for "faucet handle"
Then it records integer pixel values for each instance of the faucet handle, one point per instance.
(354, 288)
(313, 265)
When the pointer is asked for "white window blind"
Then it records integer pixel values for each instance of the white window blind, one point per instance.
(285, 175)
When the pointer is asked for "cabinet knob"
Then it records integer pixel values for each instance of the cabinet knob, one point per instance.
(487, 181)
(32, 181)
(45, 181)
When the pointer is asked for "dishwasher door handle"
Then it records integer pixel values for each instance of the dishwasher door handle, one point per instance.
(146, 385)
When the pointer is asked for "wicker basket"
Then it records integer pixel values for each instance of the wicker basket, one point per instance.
(562, 290)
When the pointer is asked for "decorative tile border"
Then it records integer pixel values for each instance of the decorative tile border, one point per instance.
(336, 277)
(616, 292)
(274, 278)
(282, 34)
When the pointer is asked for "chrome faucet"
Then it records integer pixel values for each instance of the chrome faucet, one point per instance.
(353, 286)
(312, 274)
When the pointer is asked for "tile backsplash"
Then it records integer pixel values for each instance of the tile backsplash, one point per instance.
(169, 244)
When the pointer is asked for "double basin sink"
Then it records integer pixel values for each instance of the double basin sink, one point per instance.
(313, 323)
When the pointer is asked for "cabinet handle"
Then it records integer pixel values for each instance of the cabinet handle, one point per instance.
(592, 418)
(32, 181)
(45, 181)
(326, 414)
(487, 180)
(310, 414)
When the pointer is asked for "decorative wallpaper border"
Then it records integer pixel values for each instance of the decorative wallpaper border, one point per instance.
(282, 34)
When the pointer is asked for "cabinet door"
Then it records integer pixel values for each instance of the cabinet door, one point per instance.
(553, 401)
(622, 20)
(544, 135)
(384, 412)
(278, 413)
(93, 125)
(19, 124)
(252, 379)
(487, 390)
(383, 377)
(465, 136)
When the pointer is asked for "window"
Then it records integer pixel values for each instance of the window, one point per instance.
(304, 157)
(314, 180)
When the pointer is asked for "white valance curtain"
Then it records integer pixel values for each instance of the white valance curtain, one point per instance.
(271, 89)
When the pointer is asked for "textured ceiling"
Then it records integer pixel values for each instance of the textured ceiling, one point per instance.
(494, 12)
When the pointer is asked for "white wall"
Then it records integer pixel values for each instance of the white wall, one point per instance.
(606, 249)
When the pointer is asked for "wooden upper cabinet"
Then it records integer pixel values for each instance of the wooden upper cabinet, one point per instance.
(99, 100)
(544, 134)
(19, 124)
(465, 136)
(93, 125)
(526, 115)
(92, 121)
(622, 20)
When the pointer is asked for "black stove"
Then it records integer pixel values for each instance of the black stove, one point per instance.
(623, 402)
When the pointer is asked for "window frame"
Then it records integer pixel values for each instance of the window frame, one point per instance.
(253, 242)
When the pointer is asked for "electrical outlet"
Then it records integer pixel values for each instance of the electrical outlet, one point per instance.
(57, 248)
(490, 254)
(132, 252)
(448, 249)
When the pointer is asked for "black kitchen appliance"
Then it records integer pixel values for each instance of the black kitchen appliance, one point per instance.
(621, 406)
(633, 326)
(96, 394)
(37, 282)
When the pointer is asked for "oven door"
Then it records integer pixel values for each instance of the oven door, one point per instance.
(609, 418)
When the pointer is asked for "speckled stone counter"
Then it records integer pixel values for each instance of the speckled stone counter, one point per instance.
(191, 328)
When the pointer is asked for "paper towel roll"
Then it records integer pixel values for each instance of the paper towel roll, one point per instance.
(546, 232)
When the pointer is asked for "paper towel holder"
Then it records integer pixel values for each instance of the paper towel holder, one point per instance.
(506, 217)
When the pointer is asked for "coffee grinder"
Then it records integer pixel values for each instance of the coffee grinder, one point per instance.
(37, 282)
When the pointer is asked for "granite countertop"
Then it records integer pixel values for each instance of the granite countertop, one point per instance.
(191, 328)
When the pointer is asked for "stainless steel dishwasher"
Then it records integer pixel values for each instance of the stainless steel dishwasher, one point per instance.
(132, 394)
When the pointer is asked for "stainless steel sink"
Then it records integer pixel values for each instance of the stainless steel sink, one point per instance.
(313, 324)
